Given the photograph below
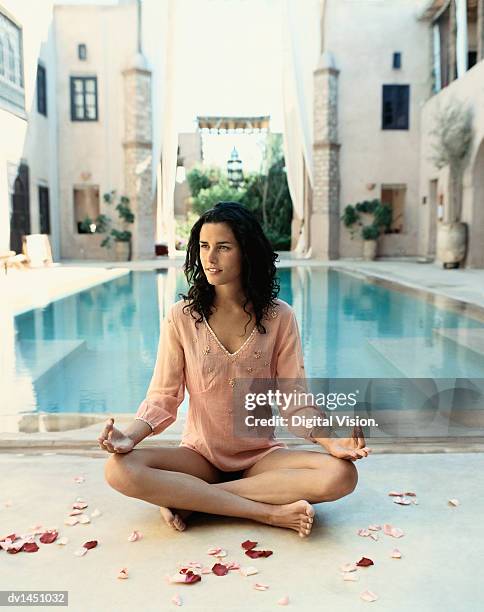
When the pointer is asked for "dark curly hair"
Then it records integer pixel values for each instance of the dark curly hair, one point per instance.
(259, 281)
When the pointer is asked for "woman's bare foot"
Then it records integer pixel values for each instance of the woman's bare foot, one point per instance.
(298, 516)
(175, 518)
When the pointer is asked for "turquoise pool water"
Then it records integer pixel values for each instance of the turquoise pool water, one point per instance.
(94, 352)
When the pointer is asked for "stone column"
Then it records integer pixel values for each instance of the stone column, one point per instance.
(452, 42)
(461, 37)
(324, 219)
(480, 30)
(137, 155)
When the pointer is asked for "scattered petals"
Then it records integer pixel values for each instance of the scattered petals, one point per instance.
(363, 532)
(219, 569)
(374, 527)
(134, 536)
(62, 541)
(248, 545)
(71, 521)
(365, 562)
(123, 573)
(368, 596)
(395, 532)
(396, 554)
(410, 494)
(48, 537)
(96, 513)
(205, 570)
(79, 505)
(348, 567)
(402, 501)
(374, 536)
(256, 554)
(75, 512)
(233, 565)
(217, 552)
(176, 599)
(283, 601)
(350, 577)
(30, 547)
(453, 502)
(90, 544)
(395, 494)
(84, 519)
(258, 586)
(80, 552)
(249, 571)
(191, 577)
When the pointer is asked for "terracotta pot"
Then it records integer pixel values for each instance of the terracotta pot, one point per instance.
(369, 249)
(451, 244)
(121, 251)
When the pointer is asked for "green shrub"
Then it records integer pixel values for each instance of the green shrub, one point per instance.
(370, 232)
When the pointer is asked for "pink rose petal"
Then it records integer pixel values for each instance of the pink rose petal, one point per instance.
(402, 501)
(348, 567)
(177, 600)
(387, 529)
(233, 565)
(368, 596)
(453, 502)
(217, 552)
(62, 541)
(205, 570)
(80, 552)
(249, 571)
(410, 494)
(71, 521)
(258, 586)
(134, 536)
(395, 494)
(75, 512)
(79, 505)
(363, 532)
(220, 570)
(284, 601)
(374, 536)
(396, 554)
(84, 520)
(30, 547)
(123, 573)
(350, 577)
(374, 527)
(96, 513)
(396, 532)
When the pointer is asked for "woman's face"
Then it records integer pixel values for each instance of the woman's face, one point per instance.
(220, 254)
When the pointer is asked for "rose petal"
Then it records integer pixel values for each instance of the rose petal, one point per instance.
(410, 494)
(220, 570)
(283, 601)
(374, 527)
(48, 537)
(71, 521)
(248, 545)
(395, 494)
(453, 502)
(12, 537)
(402, 501)
(30, 547)
(75, 512)
(363, 532)
(350, 577)
(79, 505)
(62, 541)
(415, 501)
(396, 554)
(368, 596)
(96, 513)
(176, 599)
(365, 562)
(84, 519)
(80, 552)
(217, 552)
(258, 586)
(191, 578)
(374, 536)
(134, 536)
(205, 570)
(396, 532)
(123, 573)
(249, 571)
(90, 544)
(177, 578)
(348, 567)
(233, 565)
(256, 554)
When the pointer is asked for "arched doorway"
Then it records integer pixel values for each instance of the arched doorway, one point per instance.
(476, 227)
(20, 218)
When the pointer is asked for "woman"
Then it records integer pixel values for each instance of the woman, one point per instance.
(230, 326)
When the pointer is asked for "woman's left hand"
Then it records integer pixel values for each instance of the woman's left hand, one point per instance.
(347, 448)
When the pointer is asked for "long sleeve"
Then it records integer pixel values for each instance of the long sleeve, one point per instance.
(167, 387)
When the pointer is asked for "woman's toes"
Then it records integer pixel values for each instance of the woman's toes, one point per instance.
(178, 523)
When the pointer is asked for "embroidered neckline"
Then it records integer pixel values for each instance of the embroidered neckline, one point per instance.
(214, 335)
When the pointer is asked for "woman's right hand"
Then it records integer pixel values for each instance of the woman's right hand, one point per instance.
(113, 440)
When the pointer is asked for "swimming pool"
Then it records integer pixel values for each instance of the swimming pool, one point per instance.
(94, 352)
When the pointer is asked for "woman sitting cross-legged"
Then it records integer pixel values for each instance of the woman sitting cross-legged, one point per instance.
(230, 326)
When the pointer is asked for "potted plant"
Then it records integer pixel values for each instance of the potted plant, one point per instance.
(382, 219)
(453, 134)
(122, 238)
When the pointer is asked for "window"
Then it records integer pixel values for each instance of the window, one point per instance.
(397, 60)
(11, 65)
(86, 206)
(395, 196)
(395, 107)
(471, 59)
(82, 52)
(44, 212)
(84, 99)
(41, 90)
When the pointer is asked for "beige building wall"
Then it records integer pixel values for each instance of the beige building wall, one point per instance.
(91, 153)
(362, 37)
(468, 91)
(189, 155)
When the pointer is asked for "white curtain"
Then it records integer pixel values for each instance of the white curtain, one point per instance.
(301, 46)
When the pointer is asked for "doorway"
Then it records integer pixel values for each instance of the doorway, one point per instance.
(20, 218)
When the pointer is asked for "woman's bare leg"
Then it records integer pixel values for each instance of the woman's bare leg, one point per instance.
(132, 474)
(284, 476)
